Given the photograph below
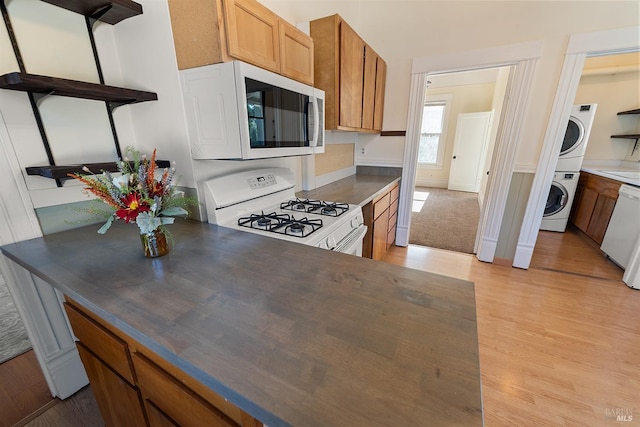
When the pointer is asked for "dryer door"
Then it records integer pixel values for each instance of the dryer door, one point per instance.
(557, 199)
(573, 137)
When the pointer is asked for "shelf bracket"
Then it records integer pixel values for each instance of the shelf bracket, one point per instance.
(38, 97)
(99, 13)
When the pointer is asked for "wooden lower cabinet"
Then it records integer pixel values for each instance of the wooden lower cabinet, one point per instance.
(119, 401)
(134, 387)
(593, 205)
(381, 216)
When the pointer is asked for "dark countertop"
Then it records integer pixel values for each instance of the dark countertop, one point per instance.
(355, 189)
(356, 342)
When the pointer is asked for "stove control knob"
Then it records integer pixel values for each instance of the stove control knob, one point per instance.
(331, 242)
(355, 223)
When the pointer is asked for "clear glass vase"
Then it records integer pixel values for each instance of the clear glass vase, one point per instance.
(155, 244)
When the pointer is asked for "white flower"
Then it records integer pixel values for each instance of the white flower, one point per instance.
(121, 182)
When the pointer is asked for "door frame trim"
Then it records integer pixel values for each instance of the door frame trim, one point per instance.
(522, 59)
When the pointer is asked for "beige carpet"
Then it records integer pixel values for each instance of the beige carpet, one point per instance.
(446, 220)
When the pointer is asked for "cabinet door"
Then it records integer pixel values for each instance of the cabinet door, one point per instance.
(351, 74)
(119, 402)
(585, 207)
(369, 87)
(296, 54)
(198, 32)
(380, 233)
(252, 33)
(378, 105)
(602, 212)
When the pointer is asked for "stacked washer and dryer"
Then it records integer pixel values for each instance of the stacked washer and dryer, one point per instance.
(565, 178)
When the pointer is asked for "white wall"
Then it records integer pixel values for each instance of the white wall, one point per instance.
(612, 93)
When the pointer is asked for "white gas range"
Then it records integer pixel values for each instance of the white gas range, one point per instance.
(263, 201)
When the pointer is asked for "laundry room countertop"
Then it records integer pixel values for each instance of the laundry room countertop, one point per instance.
(622, 173)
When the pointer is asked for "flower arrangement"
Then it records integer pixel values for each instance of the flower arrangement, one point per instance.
(137, 195)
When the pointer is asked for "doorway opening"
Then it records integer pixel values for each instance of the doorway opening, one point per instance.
(459, 128)
(611, 83)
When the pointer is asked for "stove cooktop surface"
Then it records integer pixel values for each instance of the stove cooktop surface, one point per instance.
(309, 222)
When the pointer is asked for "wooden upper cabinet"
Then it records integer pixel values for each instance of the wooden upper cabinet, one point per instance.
(369, 87)
(296, 54)
(352, 75)
(351, 72)
(212, 31)
(252, 33)
(381, 78)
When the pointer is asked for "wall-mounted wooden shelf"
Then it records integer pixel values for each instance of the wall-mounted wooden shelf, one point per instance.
(630, 136)
(61, 172)
(116, 12)
(636, 111)
(37, 84)
(393, 133)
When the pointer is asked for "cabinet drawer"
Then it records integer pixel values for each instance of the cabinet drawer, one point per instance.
(108, 347)
(181, 404)
(381, 205)
(393, 220)
(391, 237)
(393, 208)
(395, 193)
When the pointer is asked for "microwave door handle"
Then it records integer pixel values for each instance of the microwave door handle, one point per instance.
(316, 123)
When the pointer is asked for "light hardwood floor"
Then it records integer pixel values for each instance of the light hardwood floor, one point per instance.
(556, 348)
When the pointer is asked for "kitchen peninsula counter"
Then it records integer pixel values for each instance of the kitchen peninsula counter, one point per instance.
(292, 334)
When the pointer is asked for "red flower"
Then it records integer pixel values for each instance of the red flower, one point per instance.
(156, 189)
(133, 207)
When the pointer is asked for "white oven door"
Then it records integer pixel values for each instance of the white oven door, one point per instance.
(352, 244)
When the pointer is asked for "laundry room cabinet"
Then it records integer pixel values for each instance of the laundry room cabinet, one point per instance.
(593, 204)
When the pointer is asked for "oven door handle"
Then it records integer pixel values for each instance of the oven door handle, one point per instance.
(352, 237)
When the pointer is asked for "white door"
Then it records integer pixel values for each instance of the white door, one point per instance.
(469, 151)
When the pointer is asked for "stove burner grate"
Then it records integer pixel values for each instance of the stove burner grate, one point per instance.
(297, 227)
(263, 221)
(281, 223)
(318, 207)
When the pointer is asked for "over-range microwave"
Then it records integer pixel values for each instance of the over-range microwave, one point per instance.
(238, 111)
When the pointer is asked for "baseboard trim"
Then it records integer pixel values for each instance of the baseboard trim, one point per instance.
(522, 258)
(487, 250)
(436, 183)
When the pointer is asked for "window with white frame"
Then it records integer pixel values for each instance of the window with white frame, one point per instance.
(432, 133)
